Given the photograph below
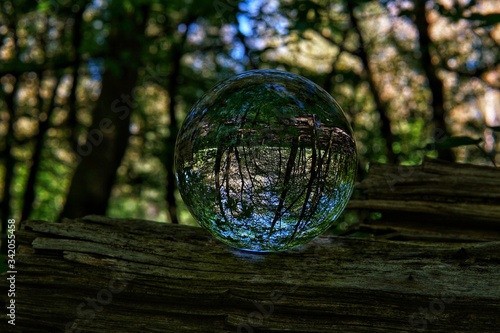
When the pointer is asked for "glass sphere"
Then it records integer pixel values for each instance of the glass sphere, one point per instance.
(266, 161)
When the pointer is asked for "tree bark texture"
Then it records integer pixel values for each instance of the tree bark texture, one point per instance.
(437, 200)
(99, 274)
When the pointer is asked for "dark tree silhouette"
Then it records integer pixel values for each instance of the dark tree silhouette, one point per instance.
(436, 86)
(39, 146)
(108, 136)
(380, 105)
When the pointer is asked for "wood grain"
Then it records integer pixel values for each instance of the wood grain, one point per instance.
(436, 200)
(120, 275)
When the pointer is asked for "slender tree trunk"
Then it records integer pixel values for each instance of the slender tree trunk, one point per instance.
(436, 86)
(76, 40)
(381, 106)
(108, 136)
(38, 139)
(10, 162)
(172, 89)
(36, 159)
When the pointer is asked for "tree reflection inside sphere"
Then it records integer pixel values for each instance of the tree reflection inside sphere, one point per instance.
(266, 161)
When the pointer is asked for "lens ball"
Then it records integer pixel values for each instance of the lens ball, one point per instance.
(266, 161)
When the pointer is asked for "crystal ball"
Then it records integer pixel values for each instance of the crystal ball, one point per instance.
(265, 161)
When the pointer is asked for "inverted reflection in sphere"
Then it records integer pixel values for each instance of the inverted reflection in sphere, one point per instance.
(266, 161)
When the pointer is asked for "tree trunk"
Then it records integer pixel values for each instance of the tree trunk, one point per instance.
(108, 136)
(380, 105)
(172, 89)
(9, 165)
(436, 86)
(76, 41)
(9, 159)
(29, 195)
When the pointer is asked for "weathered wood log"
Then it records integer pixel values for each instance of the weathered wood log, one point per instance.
(108, 275)
(446, 200)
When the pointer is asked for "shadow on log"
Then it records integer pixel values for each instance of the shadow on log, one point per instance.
(99, 274)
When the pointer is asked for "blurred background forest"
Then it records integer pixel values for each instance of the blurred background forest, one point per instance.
(92, 92)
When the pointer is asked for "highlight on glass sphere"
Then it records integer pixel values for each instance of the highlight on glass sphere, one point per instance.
(266, 161)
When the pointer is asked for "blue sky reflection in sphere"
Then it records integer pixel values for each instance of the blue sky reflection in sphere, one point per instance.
(266, 161)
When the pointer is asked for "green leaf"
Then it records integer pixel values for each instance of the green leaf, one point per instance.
(494, 128)
(451, 142)
(43, 6)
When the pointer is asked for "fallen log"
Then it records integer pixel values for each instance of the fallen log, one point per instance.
(450, 201)
(101, 274)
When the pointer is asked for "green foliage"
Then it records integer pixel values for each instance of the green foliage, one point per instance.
(314, 38)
